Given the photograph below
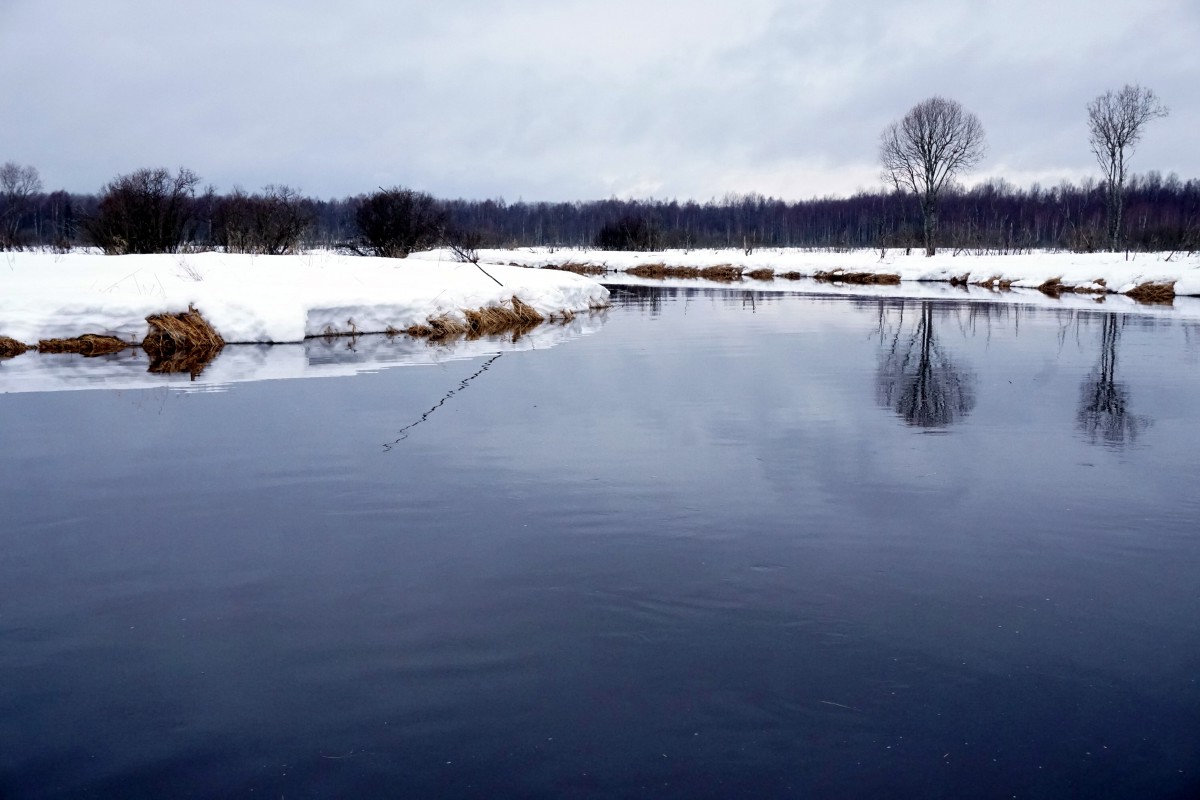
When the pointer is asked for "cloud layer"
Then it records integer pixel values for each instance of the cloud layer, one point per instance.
(574, 99)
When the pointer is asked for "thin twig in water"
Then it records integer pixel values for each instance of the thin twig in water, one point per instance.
(839, 705)
(462, 385)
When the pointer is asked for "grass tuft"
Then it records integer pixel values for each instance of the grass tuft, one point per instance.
(88, 345)
(1151, 292)
(578, 268)
(763, 274)
(726, 273)
(10, 347)
(861, 278)
(511, 316)
(181, 342)
(995, 282)
(1052, 286)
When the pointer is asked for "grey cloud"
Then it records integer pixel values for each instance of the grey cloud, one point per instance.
(573, 99)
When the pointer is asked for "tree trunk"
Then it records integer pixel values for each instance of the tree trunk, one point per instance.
(929, 212)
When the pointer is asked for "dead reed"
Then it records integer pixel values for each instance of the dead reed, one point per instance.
(181, 342)
(663, 271)
(181, 332)
(1151, 292)
(726, 273)
(995, 282)
(762, 274)
(11, 347)
(1100, 287)
(791, 275)
(89, 345)
(439, 328)
(578, 268)
(1052, 286)
(861, 278)
(511, 316)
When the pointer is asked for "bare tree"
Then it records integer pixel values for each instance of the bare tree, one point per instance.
(272, 223)
(148, 211)
(936, 140)
(394, 222)
(18, 184)
(1115, 122)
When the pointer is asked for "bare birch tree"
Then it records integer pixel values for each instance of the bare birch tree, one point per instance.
(18, 185)
(936, 140)
(1115, 122)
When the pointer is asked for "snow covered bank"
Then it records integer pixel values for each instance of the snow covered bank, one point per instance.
(264, 298)
(313, 358)
(1099, 272)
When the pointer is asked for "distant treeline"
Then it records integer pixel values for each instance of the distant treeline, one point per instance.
(1160, 214)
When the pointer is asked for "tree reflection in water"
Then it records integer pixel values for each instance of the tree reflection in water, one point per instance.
(1103, 414)
(917, 378)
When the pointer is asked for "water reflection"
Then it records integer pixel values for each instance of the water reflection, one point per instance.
(918, 379)
(1103, 414)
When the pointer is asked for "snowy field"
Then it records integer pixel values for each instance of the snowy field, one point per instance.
(1117, 272)
(263, 298)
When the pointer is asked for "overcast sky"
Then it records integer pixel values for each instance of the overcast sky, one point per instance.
(574, 99)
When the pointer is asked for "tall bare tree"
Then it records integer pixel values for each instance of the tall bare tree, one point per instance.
(1115, 122)
(936, 140)
(18, 184)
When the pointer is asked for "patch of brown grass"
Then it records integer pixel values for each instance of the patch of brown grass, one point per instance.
(10, 347)
(181, 342)
(726, 273)
(995, 282)
(1151, 292)
(88, 345)
(578, 268)
(662, 271)
(439, 328)
(181, 332)
(791, 276)
(861, 278)
(763, 274)
(1052, 286)
(1101, 287)
(722, 272)
(514, 315)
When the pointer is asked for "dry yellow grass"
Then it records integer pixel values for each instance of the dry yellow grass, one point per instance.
(995, 282)
(1052, 286)
(722, 272)
(181, 332)
(763, 274)
(861, 278)
(1151, 292)
(10, 347)
(89, 344)
(578, 268)
(791, 275)
(181, 342)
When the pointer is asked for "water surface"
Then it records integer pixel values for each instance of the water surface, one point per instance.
(727, 545)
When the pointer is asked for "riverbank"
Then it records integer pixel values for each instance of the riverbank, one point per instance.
(275, 299)
(1153, 276)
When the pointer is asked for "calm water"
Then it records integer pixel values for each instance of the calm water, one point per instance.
(726, 546)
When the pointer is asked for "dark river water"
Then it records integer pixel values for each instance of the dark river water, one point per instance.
(724, 546)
